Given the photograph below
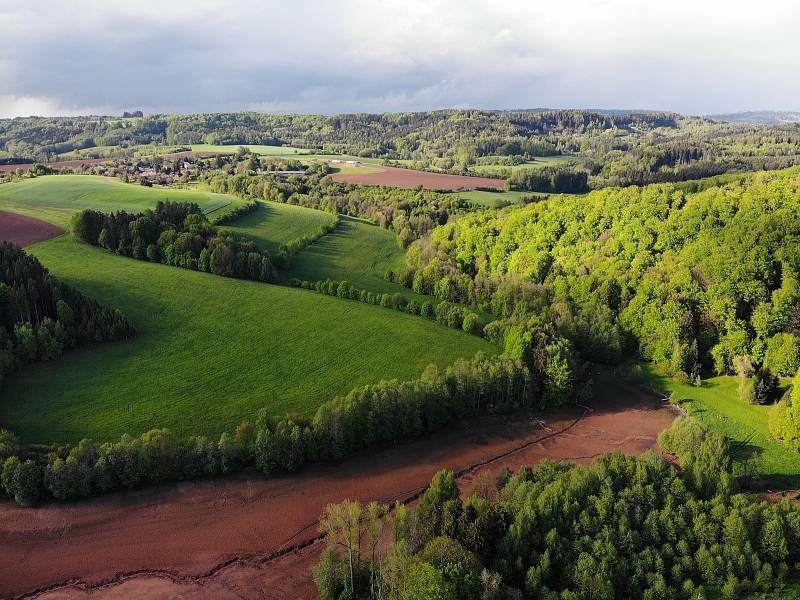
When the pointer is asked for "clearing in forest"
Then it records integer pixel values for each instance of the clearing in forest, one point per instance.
(409, 178)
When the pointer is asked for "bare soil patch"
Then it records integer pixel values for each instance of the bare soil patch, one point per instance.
(24, 231)
(249, 537)
(409, 178)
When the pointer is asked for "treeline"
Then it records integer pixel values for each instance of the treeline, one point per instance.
(40, 317)
(389, 412)
(551, 180)
(397, 134)
(236, 213)
(623, 527)
(616, 148)
(410, 213)
(692, 280)
(294, 246)
(445, 313)
(176, 234)
(784, 416)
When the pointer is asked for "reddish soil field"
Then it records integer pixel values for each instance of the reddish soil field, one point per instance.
(25, 231)
(249, 537)
(409, 178)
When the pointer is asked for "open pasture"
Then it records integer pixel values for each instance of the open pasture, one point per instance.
(55, 198)
(409, 178)
(210, 352)
(717, 405)
(538, 162)
(356, 251)
(277, 151)
(275, 223)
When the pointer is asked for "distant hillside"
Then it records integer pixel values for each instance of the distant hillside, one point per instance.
(760, 117)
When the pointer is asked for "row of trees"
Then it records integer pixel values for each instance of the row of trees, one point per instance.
(410, 213)
(445, 313)
(389, 412)
(40, 317)
(623, 527)
(292, 247)
(177, 234)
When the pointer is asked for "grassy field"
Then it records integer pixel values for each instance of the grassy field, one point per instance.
(493, 199)
(54, 198)
(255, 148)
(717, 404)
(210, 352)
(356, 251)
(274, 223)
(535, 163)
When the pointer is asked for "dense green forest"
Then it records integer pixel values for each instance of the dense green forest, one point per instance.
(614, 149)
(693, 280)
(623, 527)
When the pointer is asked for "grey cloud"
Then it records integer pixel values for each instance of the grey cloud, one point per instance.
(355, 55)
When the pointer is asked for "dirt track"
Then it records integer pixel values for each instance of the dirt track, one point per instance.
(240, 537)
(24, 231)
(409, 178)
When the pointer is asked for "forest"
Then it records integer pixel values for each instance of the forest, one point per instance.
(613, 148)
(623, 527)
(689, 280)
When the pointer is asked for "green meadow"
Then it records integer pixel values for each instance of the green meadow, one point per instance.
(534, 163)
(210, 351)
(55, 198)
(274, 223)
(279, 151)
(717, 405)
(357, 251)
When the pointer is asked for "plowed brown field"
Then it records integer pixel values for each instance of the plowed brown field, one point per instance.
(24, 231)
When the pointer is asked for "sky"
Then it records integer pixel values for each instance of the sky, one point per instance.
(309, 56)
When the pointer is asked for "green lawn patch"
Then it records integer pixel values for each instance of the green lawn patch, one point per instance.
(356, 251)
(717, 405)
(55, 198)
(274, 223)
(534, 163)
(210, 352)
